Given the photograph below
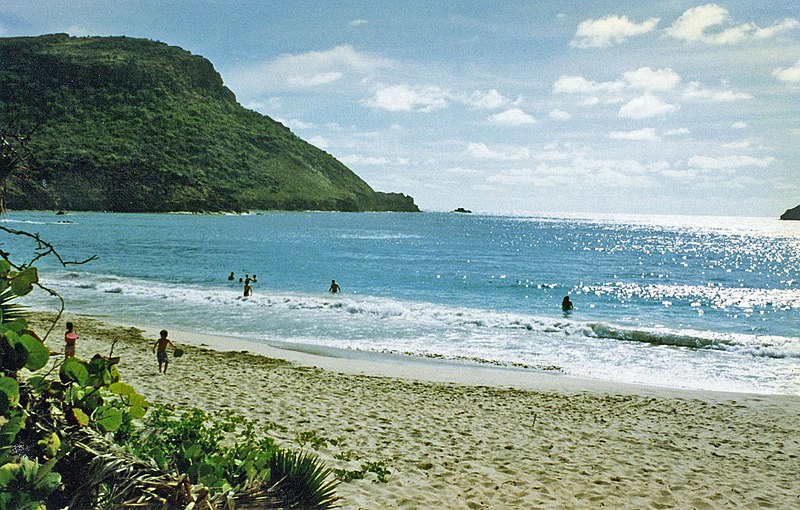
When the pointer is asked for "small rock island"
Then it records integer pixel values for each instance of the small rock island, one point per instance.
(791, 214)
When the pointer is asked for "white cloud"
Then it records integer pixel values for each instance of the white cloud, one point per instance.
(297, 124)
(319, 142)
(644, 134)
(677, 132)
(727, 162)
(739, 125)
(402, 98)
(358, 23)
(594, 173)
(645, 107)
(647, 79)
(481, 151)
(698, 24)
(486, 99)
(306, 70)
(788, 74)
(559, 115)
(512, 117)
(580, 85)
(461, 171)
(611, 29)
(741, 144)
(695, 90)
(355, 159)
(312, 80)
(79, 31)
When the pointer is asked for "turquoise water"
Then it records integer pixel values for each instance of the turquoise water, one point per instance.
(686, 302)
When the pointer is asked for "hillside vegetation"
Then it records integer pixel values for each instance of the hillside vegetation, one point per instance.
(136, 125)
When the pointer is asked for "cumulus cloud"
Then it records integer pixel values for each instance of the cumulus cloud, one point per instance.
(78, 31)
(306, 70)
(355, 159)
(297, 124)
(728, 162)
(486, 99)
(643, 79)
(677, 132)
(319, 142)
(461, 171)
(580, 85)
(559, 115)
(596, 173)
(648, 79)
(695, 90)
(481, 151)
(739, 125)
(644, 134)
(403, 98)
(645, 107)
(512, 117)
(611, 29)
(712, 24)
(788, 74)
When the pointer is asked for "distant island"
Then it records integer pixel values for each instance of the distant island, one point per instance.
(462, 210)
(791, 214)
(123, 124)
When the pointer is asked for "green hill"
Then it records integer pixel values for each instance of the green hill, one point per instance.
(136, 125)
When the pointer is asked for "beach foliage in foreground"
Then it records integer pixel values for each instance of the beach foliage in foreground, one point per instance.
(77, 436)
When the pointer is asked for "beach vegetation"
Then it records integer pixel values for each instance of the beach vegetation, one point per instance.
(75, 435)
(379, 468)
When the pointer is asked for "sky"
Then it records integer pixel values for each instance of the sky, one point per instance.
(632, 107)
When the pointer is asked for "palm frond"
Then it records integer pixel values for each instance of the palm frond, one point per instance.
(303, 481)
(9, 311)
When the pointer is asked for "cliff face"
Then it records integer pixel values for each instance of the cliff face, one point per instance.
(791, 214)
(136, 125)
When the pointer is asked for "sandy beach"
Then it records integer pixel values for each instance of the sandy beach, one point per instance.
(476, 437)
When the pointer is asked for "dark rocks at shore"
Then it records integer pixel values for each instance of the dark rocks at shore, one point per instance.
(791, 214)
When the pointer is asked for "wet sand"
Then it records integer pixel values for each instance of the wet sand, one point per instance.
(475, 437)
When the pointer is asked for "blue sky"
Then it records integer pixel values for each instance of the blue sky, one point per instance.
(672, 107)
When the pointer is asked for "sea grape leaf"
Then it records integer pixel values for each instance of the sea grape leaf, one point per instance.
(51, 444)
(193, 451)
(10, 388)
(74, 370)
(21, 355)
(137, 412)
(137, 400)
(108, 418)
(22, 282)
(38, 384)
(120, 388)
(80, 416)
(38, 354)
(97, 364)
(16, 325)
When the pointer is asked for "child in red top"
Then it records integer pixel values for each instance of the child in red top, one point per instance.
(69, 340)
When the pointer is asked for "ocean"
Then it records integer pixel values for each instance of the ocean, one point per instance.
(707, 303)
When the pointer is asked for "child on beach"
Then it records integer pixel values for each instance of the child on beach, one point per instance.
(161, 344)
(70, 337)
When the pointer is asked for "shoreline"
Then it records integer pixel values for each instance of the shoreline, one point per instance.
(476, 443)
(435, 369)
